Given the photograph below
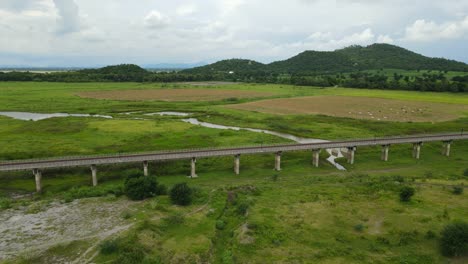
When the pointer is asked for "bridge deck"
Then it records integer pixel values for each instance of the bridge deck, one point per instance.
(202, 153)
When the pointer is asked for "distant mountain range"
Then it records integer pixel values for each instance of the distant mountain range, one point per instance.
(376, 56)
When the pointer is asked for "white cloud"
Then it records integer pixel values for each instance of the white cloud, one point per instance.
(69, 17)
(208, 30)
(385, 39)
(422, 30)
(187, 9)
(156, 20)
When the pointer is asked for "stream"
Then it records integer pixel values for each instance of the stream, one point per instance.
(334, 153)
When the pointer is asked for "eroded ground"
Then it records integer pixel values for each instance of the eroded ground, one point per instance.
(40, 226)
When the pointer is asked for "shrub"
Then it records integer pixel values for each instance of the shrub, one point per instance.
(406, 193)
(5, 203)
(457, 190)
(430, 234)
(242, 208)
(181, 194)
(109, 247)
(359, 227)
(454, 239)
(140, 188)
(220, 224)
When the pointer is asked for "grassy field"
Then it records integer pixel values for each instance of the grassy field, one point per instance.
(299, 215)
(359, 108)
(172, 95)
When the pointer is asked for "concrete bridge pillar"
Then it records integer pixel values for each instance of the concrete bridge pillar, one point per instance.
(94, 175)
(278, 161)
(145, 168)
(351, 151)
(384, 155)
(417, 150)
(316, 157)
(446, 149)
(38, 177)
(193, 173)
(237, 164)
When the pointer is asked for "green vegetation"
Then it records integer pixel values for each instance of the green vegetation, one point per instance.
(457, 190)
(454, 239)
(300, 214)
(354, 67)
(406, 193)
(139, 187)
(181, 194)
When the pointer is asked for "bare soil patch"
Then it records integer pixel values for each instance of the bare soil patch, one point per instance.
(175, 94)
(22, 231)
(360, 108)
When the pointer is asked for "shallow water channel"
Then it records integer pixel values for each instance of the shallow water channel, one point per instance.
(334, 153)
(38, 116)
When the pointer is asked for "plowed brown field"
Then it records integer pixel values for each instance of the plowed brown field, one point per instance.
(359, 107)
(174, 94)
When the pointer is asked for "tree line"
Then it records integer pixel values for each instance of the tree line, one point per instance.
(437, 82)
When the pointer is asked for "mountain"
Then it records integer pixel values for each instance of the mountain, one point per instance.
(378, 56)
(375, 56)
(123, 69)
(232, 65)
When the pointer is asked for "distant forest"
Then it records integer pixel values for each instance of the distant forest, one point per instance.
(378, 66)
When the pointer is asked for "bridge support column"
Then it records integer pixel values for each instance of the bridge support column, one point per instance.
(316, 157)
(38, 177)
(193, 173)
(446, 149)
(351, 151)
(94, 175)
(145, 168)
(384, 155)
(237, 164)
(417, 150)
(278, 161)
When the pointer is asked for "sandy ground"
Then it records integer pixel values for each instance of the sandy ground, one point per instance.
(22, 232)
(175, 94)
(359, 107)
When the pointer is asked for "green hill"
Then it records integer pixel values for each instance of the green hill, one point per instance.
(353, 58)
(313, 61)
(234, 65)
(118, 69)
(378, 56)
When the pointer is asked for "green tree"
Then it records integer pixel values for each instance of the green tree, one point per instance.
(181, 194)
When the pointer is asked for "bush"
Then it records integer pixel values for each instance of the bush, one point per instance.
(406, 193)
(181, 194)
(359, 227)
(457, 190)
(5, 203)
(220, 224)
(454, 239)
(109, 247)
(242, 208)
(142, 187)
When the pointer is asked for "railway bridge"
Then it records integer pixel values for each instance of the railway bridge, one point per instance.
(93, 161)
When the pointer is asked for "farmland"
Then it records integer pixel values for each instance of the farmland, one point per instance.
(175, 94)
(301, 214)
(359, 108)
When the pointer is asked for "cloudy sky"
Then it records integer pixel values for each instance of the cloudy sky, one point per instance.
(94, 33)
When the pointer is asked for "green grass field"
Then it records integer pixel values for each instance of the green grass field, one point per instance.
(299, 215)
